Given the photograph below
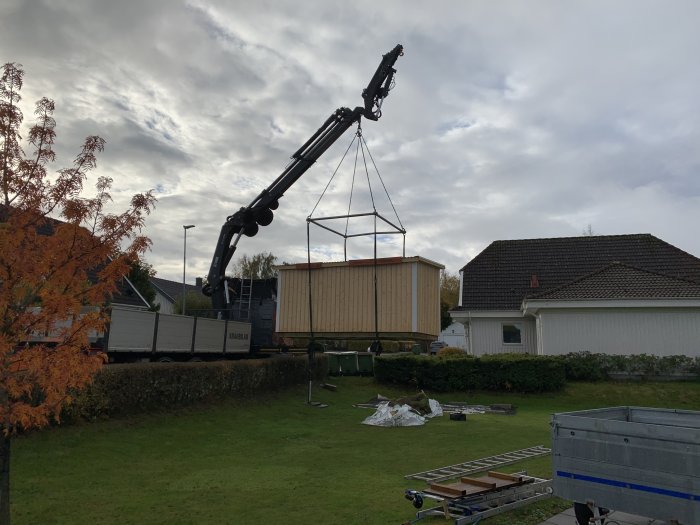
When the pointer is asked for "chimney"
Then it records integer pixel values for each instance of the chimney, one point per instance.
(534, 283)
(199, 282)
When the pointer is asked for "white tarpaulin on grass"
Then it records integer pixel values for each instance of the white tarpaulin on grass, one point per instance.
(401, 415)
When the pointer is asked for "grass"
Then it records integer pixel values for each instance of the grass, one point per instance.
(277, 460)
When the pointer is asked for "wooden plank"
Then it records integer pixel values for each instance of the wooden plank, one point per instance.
(380, 261)
(478, 482)
(509, 477)
(449, 491)
(492, 482)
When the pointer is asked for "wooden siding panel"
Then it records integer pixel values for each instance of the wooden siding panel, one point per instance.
(343, 298)
(428, 299)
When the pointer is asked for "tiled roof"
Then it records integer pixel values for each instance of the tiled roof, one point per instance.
(501, 276)
(262, 288)
(173, 289)
(620, 281)
(127, 295)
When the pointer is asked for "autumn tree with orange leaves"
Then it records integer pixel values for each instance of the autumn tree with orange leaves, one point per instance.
(62, 255)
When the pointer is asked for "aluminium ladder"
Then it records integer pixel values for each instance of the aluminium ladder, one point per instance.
(245, 299)
(479, 465)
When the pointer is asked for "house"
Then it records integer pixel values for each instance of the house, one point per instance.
(620, 294)
(454, 336)
(125, 296)
(167, 292)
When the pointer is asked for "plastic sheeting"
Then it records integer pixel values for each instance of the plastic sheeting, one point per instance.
(401, 415)
(435, 408)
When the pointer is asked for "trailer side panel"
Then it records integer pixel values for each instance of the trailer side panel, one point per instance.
(644, 461)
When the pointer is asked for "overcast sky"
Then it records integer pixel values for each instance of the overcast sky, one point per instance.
(509, 120)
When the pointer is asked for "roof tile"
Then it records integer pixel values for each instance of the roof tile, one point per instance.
(499, 277)
(620, 281)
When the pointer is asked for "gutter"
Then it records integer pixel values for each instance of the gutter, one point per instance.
(137, 292)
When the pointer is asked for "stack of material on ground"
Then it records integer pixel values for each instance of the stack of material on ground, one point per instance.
(451, 407)
(404, 411)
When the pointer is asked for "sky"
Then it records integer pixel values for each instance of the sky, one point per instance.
(508, 120)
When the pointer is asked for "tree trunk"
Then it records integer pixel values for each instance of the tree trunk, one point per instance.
(4, 478)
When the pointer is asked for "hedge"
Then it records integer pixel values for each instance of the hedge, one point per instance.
(510, 372)
(587, 366)
(146, 387)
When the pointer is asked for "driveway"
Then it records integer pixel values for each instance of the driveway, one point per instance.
(567, 518)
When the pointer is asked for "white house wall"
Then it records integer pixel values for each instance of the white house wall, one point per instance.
(487, 335)
(455, 336)
(166, 306)
(667, 331)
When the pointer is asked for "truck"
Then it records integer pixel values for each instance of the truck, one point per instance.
(260, 211)
(140, 335)
(242, 318)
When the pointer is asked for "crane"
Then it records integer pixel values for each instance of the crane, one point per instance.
(260, 212)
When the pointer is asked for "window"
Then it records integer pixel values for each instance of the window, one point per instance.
(511, 333)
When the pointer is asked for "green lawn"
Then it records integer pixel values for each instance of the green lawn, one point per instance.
(278, 460)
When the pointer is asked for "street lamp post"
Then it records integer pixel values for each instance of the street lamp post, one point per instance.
(185, 227)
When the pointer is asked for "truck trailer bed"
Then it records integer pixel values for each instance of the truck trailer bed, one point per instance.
(644, 461)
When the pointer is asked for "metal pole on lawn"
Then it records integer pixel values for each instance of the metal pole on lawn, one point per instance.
(309, 350)
(185, 227)
(376, 298)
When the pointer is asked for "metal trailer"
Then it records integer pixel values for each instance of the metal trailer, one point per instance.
(472, 509)
(644, 461)
(139, 333)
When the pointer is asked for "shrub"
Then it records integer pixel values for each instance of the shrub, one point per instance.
(391, 347)
(450, 351)
(584, 366)
(587, 366)
(399, 369)
(146, 387)
(520, 373)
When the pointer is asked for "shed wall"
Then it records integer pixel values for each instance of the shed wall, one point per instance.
(667, 331)
(343, 300)
(428, 299)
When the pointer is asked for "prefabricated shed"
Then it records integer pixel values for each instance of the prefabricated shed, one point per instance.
(343, 299)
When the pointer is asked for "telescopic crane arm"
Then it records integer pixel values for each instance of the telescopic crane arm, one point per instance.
(259, 212)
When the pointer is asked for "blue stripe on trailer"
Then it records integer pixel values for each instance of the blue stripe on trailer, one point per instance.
(624, 485)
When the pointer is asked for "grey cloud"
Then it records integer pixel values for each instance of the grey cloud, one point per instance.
(509, 119)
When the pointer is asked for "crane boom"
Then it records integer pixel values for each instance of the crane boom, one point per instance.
(259, 212)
